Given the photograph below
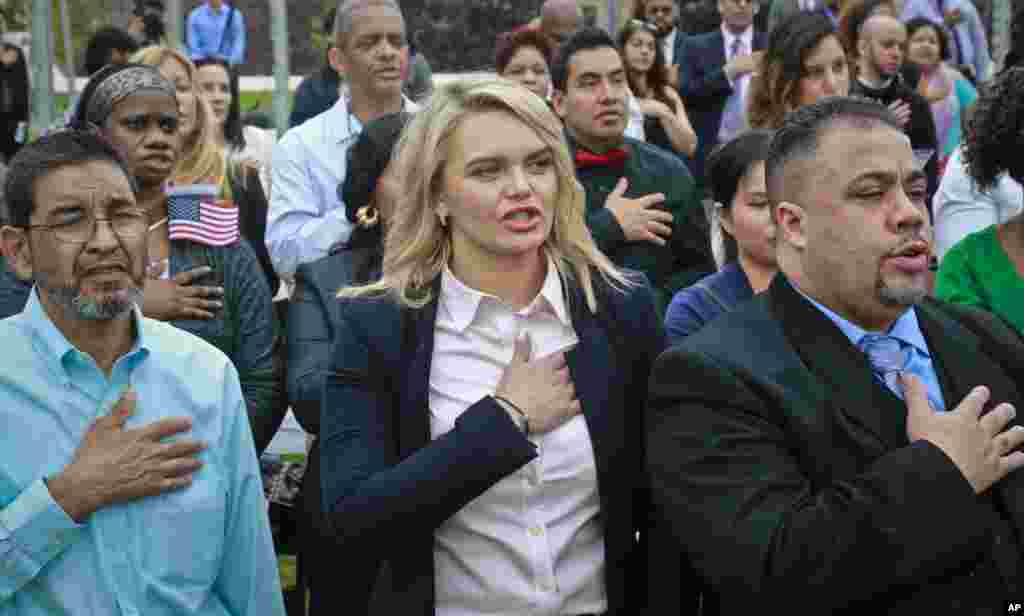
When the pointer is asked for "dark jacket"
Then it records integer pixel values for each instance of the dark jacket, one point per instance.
(245, 329)
(687, 256)
(920, 128)
(785, 472)
(387, 486)
(705, 88)
(316, 94)
(252, 211)
(314, 312)
(704, 301)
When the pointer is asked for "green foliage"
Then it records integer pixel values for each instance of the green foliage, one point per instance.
(14, 15)
(86, 17)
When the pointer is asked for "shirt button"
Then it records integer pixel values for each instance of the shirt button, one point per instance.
(536, 531)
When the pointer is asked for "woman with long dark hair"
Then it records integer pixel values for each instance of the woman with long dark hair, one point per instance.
(666, 124)
(804, 61)
(246, 151)
(742, 236)
(986, 268)
(14, 89)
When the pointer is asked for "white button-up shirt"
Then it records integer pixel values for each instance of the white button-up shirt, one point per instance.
(533, 543)
(306, 217)
(668, 46)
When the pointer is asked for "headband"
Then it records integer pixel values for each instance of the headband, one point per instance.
(120, 85)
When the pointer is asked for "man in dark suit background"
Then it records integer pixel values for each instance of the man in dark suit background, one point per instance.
(715, 72)
(664, 15)
(842, 440)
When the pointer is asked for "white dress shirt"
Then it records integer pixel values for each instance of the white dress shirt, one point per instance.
(306, 217)
(533, 543)
(960, 209)
(668, 46)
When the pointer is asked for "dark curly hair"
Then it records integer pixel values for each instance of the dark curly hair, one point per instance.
(508, 46)
(773, 90)
(994, 130)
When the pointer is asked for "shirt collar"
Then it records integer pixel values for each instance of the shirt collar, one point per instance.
(342, 125)
(462, 303)
(747, 37)
(906, 328)
(56, 348)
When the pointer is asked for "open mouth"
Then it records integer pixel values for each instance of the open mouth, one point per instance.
(915, 258)
(522, 219)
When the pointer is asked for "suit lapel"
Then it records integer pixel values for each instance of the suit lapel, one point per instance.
(760, 40)
(414, 410)
(592, 367)
(843, 368)
(959, 360)
(962, 365)
(717, 50)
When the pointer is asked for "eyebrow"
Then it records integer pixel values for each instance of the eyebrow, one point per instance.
(888, 177)
(490, 158)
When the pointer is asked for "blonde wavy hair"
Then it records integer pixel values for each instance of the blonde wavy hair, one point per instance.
(202, 160)
(417, 247)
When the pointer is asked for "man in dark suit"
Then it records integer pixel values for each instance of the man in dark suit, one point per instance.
(642, 206)
(663, 15)
(843, 440)
(715, 73)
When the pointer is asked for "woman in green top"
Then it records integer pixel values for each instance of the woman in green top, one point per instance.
(986, 269)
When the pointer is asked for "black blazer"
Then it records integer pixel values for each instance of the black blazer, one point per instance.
(705, 88)
(387, 486)
(785, 471)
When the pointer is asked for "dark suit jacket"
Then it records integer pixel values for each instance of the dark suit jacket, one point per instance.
(785, 471)
(705, 88)
(387, 486)
(313, 314)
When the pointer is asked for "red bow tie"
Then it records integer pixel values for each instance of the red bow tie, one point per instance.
(615, 157)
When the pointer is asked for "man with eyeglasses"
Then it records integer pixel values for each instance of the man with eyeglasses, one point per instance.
(715, 73)
(306, 218)
(129, 482)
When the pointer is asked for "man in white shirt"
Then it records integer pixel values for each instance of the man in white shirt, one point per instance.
(306, 216)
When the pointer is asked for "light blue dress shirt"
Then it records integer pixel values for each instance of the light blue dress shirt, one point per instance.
(306, 217)
(907, 329)
(204, 550)
(206, 28)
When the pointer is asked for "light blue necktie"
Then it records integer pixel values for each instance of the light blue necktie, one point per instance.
(733, 120)
(889, 356)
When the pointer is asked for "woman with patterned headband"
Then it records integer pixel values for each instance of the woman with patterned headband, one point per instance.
(134, 107)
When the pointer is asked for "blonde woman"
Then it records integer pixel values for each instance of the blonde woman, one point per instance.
(481, 420)
(203, 159)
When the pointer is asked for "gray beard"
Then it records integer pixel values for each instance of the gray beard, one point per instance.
(71, 300)
(901, 297)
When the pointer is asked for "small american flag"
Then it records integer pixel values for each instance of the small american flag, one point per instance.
(195, 213)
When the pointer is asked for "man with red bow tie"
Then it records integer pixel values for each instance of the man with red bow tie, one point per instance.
(643, 208)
